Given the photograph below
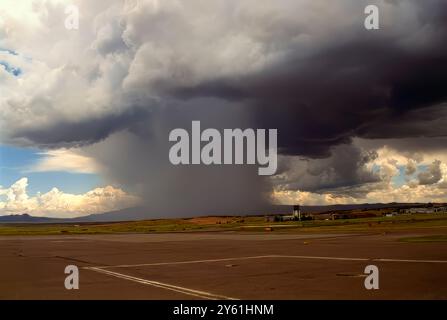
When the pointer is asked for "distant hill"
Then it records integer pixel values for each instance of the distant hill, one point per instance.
(141, 213)
(26, 218)
(129, 214)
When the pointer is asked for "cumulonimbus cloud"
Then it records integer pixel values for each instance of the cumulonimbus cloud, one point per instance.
(310, 69)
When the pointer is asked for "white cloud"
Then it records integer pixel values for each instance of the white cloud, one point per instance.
(431, 185)
(68, 160)
(56, 203)
(405, 193)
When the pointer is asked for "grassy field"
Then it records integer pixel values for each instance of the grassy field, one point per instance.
(247, 224)
(435, 238)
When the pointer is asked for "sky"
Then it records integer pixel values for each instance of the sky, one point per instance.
(86, 113)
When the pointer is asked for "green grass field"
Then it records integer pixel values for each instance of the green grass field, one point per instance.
(246, 224)
(435, 238)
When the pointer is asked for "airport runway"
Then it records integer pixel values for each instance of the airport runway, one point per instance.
(222, 266)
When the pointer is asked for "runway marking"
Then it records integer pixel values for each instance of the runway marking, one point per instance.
(361, 259)
(182, 262)
(270, 256)
(212, 296)
(410, 260)
(187, 291)
(321, 258)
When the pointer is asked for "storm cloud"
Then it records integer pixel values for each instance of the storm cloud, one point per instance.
(335, 91)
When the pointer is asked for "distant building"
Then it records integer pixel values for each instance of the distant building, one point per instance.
(426, 210)
(296, 215)
(391, 214)
(288, 218)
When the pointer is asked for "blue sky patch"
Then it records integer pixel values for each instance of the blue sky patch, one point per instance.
(14, 161)
(9, 51)
(12, 70)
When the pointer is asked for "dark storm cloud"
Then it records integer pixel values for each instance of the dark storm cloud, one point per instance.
(309, 69)
(387, 83)
(409, 147)
(83, 132)
(369, 85)
(345, 167)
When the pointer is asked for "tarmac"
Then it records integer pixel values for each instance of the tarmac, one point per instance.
(222, 265)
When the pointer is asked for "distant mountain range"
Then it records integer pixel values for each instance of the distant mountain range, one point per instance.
(128, 214)
(140, 213)
(26, 218)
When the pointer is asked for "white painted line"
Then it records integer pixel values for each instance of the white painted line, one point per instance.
(187, 291)
(270, 256)
(410, 260)
(212, 296)
(320, 258)
(183, 262)
(361, 259)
